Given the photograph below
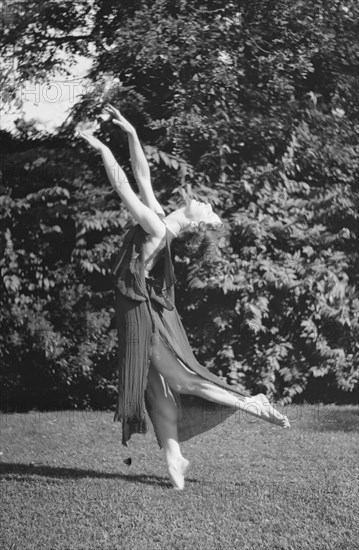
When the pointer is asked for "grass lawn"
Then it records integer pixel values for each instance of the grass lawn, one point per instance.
(251, 485)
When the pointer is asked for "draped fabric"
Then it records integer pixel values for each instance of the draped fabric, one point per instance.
(145, 313)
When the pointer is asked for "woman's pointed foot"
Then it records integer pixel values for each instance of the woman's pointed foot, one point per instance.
(260, 406)
(177, 470)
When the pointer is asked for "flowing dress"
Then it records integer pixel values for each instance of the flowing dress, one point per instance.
(145, 313)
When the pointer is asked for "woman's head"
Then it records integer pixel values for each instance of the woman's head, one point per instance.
(201, 232)
(205, 233)
(197, 211)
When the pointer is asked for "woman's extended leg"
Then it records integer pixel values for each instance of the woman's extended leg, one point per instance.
(182, 380)
(163, 414)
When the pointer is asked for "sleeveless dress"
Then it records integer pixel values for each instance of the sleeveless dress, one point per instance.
(145, 313)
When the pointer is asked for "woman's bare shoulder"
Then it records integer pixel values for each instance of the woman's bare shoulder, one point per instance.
(171, 225)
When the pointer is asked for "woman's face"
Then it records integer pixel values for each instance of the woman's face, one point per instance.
(201, 211)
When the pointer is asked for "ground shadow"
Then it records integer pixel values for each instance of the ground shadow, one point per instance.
(13, 468)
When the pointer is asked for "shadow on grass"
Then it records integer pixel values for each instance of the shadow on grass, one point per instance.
(13, 468)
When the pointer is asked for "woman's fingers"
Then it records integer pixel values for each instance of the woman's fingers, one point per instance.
(112, 109)
(109, 110)
(119, 119)
(92, 140)
(81, 135)
(85, 136)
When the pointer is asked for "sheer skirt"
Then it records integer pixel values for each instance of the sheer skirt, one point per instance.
(194, 414)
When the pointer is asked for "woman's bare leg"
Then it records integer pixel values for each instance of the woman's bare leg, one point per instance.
(163, 414)
(257, 406)
(184, 381)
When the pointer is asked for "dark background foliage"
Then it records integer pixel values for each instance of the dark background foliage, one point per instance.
(254, 105)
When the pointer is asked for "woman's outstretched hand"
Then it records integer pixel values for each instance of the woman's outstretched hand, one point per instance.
(120, 120)
(93, 141)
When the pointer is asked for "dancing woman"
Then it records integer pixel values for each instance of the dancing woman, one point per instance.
(158, 372)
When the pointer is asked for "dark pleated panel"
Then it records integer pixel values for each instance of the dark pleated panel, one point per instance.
(134, 335)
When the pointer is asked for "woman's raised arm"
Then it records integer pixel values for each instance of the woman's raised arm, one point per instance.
(146, 217)
(139, 163)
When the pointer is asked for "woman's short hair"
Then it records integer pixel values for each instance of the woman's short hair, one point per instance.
(205, 241)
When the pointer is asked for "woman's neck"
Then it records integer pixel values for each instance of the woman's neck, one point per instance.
(177, 221)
